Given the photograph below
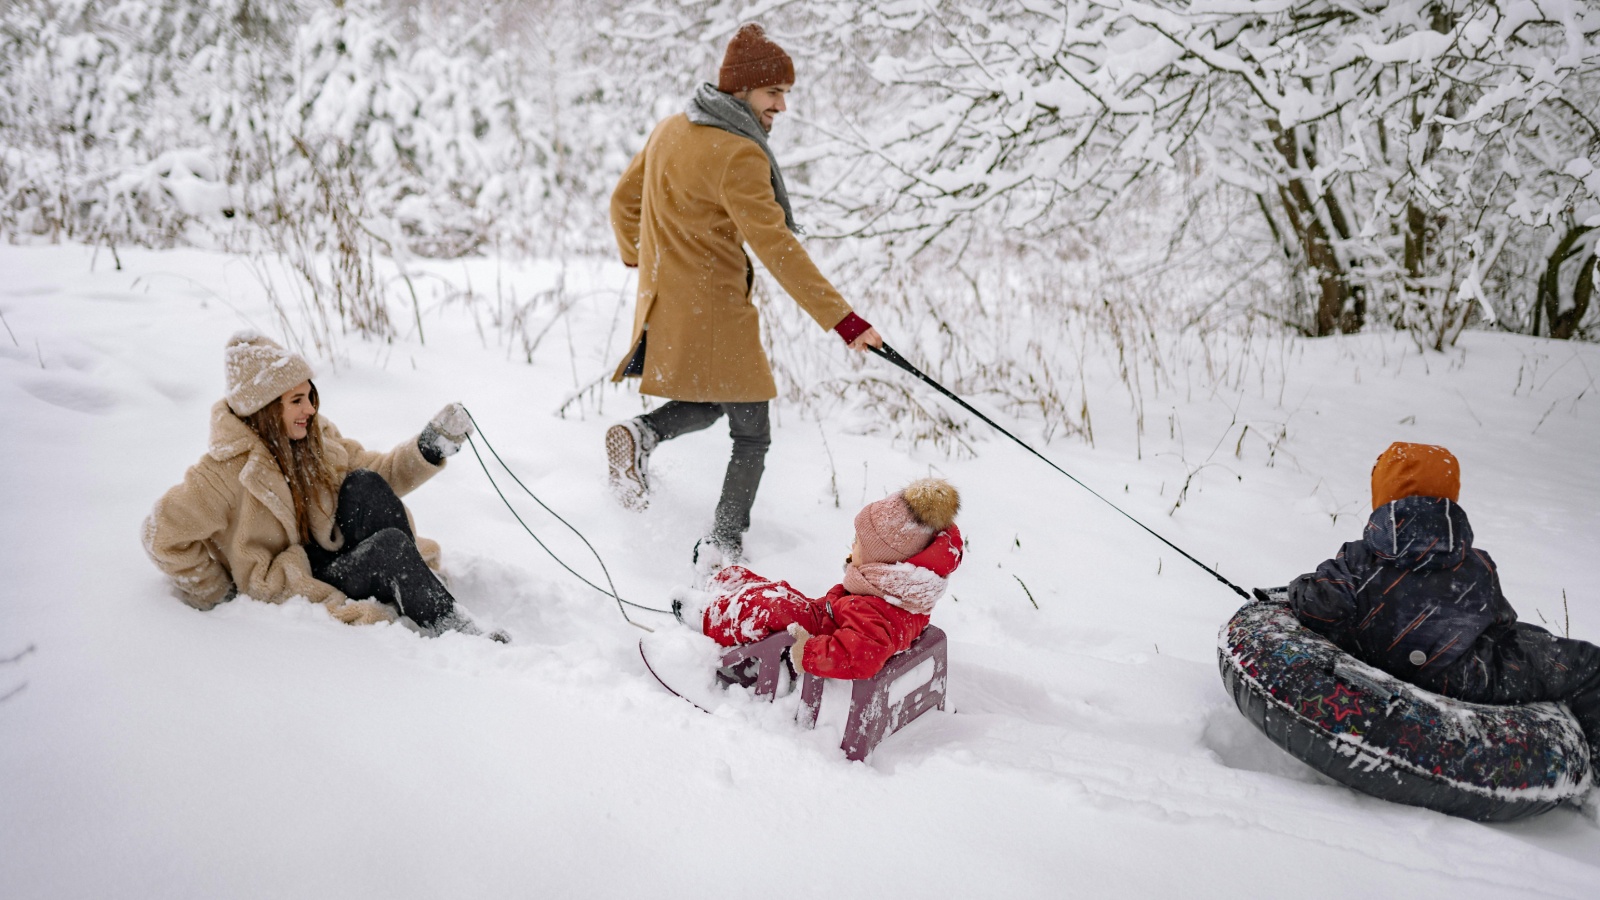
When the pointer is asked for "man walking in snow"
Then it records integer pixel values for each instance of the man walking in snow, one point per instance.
(705, 184)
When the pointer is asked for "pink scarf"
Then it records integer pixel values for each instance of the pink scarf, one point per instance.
(908, 586)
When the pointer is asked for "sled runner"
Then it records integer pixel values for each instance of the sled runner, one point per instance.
(685, 664)
(1391, 739)
(874, 712)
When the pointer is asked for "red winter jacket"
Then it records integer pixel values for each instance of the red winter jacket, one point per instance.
(852, 635)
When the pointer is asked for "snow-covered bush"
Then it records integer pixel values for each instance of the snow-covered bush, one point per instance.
(1411, 158)
(1015, 190)
(97, 143)
(1003, 186)
(428, 129)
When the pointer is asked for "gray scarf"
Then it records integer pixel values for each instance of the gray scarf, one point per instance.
(710, 106)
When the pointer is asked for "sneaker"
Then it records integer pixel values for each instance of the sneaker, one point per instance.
(627, 450)
(742, 674)
(713, 553)
(745, 674)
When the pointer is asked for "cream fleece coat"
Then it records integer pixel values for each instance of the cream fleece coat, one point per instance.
(231, 522)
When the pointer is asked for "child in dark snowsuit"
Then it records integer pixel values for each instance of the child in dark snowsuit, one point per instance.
(906, 546)
(1416, 599)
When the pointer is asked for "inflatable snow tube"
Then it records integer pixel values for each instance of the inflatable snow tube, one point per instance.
(1388, 738)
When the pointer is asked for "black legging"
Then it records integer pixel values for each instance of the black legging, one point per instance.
(379, 557)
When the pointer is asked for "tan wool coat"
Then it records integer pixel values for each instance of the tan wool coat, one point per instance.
(231, 521)
(687, 202)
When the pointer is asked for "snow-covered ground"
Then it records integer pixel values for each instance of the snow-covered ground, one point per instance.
(149, 750)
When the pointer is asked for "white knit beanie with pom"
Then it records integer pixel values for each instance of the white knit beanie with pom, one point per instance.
(259, 371)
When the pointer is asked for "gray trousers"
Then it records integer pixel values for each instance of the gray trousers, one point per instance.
(751, 430)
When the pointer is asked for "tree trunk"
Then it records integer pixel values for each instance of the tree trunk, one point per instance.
(1353, 314)
(1548, 303)
(1564, 325)
(1584, 291)
(1298, 203)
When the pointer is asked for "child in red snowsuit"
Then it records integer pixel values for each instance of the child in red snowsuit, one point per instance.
(906, 546)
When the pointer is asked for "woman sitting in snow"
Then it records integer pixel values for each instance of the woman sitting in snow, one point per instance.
(1416, 599)
(905, 548)
(283, 506)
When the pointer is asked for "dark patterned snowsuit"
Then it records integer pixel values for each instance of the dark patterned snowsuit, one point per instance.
(1416, 599)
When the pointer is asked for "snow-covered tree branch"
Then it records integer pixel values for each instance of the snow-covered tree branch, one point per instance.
(1411, 157)
(1412, 163)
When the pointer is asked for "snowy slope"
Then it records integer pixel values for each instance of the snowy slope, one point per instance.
(269, 751)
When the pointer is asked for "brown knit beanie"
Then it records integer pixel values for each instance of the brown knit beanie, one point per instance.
(753, 61)
(1415, 470)
(259, 371)
(900, 526)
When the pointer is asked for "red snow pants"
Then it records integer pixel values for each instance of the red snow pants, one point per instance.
(748, 607)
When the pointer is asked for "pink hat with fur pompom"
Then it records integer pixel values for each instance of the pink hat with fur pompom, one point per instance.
(901, 525)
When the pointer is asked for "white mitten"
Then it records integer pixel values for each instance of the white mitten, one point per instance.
(453, 422)
(446, 433)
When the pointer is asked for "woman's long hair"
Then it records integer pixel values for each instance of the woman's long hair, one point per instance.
(300, 461)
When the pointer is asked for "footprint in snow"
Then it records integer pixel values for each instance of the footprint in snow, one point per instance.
(71, 391)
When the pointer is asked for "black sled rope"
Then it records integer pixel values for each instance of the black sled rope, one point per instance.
(888, 353)
(622, 604)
